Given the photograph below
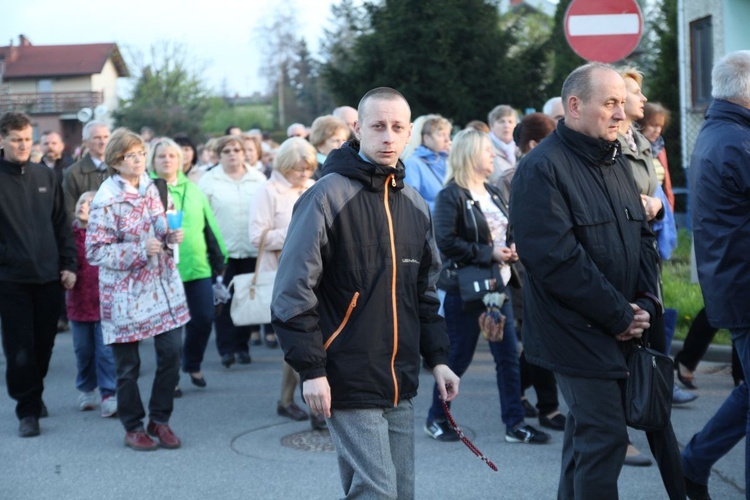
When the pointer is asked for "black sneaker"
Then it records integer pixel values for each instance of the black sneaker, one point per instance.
(696, 491)
(526, 434)
(529, 409)
(440, 430)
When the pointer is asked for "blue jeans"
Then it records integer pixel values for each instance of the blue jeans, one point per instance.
(95, 361)
(726, 428)
(463, 332)
(200, 299)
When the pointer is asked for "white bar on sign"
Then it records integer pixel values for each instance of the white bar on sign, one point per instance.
(604, 24)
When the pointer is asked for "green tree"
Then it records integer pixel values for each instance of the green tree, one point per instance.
(663, 84)
(445, 57)
(169, 94)
(529, 56)
(564, 60)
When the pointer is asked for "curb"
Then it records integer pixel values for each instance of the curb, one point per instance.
(716, 353)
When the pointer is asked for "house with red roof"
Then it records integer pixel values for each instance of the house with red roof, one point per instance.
(60, 86)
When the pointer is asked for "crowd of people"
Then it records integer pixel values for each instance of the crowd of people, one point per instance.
(570, 211)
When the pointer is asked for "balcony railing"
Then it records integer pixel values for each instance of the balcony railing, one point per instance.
(50, 102)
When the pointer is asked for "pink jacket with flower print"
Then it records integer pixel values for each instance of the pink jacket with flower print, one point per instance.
(140, 296)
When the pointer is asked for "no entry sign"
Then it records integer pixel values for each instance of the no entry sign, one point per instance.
(603, 30)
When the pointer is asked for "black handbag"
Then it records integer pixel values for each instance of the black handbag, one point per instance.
(648, 389)
(474, 282)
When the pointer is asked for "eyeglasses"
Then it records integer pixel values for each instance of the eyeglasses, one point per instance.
(133, 156)
(232, 150)
(304, 169)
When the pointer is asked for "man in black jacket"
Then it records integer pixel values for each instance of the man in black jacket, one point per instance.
(581, 233)
(355, 302)
(37, 253)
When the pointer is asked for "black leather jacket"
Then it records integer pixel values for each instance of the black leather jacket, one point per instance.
(461, 230)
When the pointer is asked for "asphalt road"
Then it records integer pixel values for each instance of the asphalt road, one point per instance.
(236, 447)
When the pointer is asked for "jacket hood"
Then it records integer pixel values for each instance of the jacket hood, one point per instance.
(347, 162)
(594, 150)
(423, 151)
(726, 110)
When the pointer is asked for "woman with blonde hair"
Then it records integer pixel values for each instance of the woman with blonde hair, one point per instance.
(471, 229)
(141, 294)
(271, 213)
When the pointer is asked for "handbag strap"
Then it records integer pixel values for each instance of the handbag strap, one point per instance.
(260, 253)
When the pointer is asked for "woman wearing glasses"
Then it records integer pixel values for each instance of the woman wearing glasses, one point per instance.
(230, 189)
(272, 211)
(141, 294)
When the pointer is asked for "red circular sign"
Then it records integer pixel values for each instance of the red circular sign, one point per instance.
(603, 30)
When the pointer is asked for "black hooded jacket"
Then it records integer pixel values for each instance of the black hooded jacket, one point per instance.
(36, 238)
(581, 233)
(355, 297)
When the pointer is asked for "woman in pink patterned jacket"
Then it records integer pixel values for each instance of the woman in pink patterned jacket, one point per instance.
(141, 293)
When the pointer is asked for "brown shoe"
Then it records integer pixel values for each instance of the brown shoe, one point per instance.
(164, 434)
(291, 411)
(139, 441)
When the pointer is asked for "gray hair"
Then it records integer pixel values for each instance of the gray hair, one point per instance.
(730, 78)
(579, 83)
(91, 125)
(547, 108)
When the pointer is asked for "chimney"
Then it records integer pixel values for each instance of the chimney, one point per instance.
(11, 55)
(23, 41)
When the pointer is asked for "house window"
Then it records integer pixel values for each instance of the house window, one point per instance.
(702, 60)
(44, 89)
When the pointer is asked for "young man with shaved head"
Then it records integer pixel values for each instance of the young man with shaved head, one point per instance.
(355, 301)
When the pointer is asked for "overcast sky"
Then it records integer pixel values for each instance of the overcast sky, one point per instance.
(223, 34)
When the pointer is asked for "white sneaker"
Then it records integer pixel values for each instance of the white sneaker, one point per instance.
(87, 401)
(109, 406)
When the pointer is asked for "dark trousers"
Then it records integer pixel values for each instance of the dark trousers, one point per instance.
(696, 344)
(200, 300)
(463, 331)
(230, 338)
(29, 315)
(128, 366)
(543, 381)
(595, 438)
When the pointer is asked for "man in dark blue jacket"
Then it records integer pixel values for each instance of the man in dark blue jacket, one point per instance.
(37, 253)
(720, 188)
(355, 301)
(581, 233)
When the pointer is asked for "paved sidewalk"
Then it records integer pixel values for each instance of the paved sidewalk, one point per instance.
(236, 447)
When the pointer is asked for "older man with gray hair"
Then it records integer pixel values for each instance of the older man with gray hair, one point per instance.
(720, 185)
(89, 172)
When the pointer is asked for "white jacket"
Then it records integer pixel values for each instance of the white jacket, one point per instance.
(231, 201)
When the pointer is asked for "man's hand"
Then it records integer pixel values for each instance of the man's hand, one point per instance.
(317, 394)
(68, 279)
(447, 382)
(640, 323)
(651, 205)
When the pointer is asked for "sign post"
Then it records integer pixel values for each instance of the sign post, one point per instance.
(603, 30)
